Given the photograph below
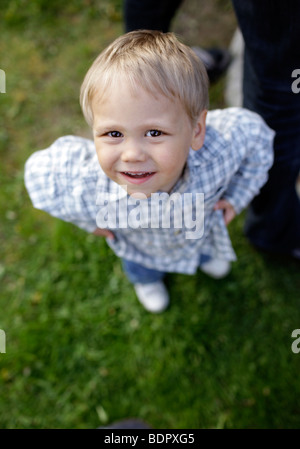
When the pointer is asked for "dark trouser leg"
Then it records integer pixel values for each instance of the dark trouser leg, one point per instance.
(149, 14)
(272, 35)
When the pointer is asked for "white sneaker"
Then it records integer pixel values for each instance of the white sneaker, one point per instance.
(216, 268)
(153, 296)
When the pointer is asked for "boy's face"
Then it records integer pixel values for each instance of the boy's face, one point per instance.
(142, 141)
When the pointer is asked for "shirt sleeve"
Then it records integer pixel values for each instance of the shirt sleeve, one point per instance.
(62, 179)
(252, 157)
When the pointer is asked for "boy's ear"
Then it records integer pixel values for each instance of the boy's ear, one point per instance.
(199, 131)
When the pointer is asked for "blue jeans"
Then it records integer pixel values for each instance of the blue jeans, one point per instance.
(136, 273)
(272, 35)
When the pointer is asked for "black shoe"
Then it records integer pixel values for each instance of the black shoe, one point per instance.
(216, 61)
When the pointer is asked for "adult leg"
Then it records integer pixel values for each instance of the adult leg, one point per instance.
(158, 15)
(149, 14)
(272, 34)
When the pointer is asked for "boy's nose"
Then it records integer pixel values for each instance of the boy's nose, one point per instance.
(133, 152)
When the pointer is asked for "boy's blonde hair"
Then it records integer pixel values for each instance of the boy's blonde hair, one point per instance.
(154, 60)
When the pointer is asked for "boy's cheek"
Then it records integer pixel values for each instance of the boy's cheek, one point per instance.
(104, 161)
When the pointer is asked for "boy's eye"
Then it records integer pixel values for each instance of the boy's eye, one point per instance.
(114, 134)
(153, 133)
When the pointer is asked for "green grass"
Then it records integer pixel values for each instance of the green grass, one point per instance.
(81, 352)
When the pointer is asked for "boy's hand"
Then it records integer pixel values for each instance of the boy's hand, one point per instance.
(104, 233)
(228, 210)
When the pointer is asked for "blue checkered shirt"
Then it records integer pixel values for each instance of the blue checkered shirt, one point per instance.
(66, 181)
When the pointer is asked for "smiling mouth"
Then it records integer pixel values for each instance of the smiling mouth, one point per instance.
(138, 175)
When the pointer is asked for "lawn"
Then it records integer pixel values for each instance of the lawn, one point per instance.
(80, 350)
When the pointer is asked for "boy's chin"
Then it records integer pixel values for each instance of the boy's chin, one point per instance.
(139, 195)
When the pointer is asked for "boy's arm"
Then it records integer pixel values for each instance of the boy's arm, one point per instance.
(253, 142)
(61, 180)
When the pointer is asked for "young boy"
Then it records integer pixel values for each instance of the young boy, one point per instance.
(146, 99)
